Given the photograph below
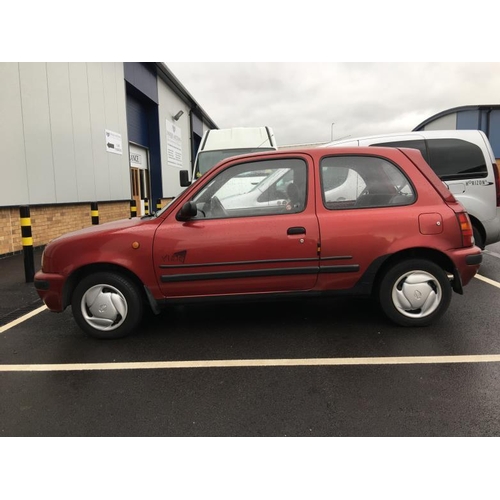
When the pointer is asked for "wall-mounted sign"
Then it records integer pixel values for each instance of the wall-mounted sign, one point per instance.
(174, 145)
(113, 142)
(138, 157)
(135, 160)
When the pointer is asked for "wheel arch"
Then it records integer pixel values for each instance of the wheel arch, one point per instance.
(89, 269)
(430, 254)
(476, 223)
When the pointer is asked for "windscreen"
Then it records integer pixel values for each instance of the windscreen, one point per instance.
(208, 159)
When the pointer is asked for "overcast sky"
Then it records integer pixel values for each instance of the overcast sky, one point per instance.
(300, 101)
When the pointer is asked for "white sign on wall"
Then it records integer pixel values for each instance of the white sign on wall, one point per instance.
(174, 145)
(138, 157)
(113, 142)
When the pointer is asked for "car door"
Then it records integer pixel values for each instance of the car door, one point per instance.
(253, 239)
(366, 205)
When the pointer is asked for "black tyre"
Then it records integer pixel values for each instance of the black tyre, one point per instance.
(107, 305)
(415, 292)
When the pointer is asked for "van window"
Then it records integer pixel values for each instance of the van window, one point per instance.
(454, 159)
(417, 144)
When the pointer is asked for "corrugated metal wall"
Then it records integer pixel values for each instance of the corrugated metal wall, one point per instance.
(53, 147)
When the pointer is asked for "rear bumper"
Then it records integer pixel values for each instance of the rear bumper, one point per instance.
(50, 289)
(473, 260)
(467, 262)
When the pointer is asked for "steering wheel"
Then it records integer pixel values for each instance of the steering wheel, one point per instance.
(216, 208)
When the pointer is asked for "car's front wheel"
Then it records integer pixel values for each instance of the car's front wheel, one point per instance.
(415, 292)
(107, 305)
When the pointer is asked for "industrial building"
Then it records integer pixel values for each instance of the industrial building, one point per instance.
(76, 134)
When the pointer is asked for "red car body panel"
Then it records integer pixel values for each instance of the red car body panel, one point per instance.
(177, 259)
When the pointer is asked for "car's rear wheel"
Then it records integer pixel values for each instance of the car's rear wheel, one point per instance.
(415, 292)
(107, 305)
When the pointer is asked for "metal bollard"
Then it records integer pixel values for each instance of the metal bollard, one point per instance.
(158, 204)
(94, 213)
(133, 208)
(27, 241)
(146, 206)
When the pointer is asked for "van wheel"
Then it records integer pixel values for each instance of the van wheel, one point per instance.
(415, 292)
(107, 305)
(478, 239)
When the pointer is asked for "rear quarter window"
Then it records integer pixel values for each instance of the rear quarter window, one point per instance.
(349, 182)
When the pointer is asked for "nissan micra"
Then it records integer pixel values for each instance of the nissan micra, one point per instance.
(311, 222)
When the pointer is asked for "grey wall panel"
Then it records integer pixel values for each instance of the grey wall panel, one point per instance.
(61, 127)
(124, 173)
(37, 136)
(53, 147)
(169, 105)
(13, 173)
(448, 122)
(98, 127)
(116, 163)
(80, 108)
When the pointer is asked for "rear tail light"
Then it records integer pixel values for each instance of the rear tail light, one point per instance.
(497, 182)
(466, 229)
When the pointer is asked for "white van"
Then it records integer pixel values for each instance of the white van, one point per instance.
(464, 161)
(218, 144)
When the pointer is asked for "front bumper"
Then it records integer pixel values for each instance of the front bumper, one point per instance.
(50, 289)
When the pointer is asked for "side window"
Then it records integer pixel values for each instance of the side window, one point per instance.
(363, 182)
(417, 144)
(455, 159)
(255, 188)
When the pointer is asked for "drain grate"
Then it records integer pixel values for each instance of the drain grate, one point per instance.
(13, 315)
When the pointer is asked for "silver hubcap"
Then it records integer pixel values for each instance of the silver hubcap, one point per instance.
(417, 294)
(104, 307)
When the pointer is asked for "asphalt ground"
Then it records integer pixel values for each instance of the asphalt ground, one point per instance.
(17, 297)
(114, 388)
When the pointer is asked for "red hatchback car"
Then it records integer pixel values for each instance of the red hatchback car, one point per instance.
(359, 221)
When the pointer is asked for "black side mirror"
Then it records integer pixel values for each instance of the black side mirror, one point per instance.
(188, 211)
(184, 178)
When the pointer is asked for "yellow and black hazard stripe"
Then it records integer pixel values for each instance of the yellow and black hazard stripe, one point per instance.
(27, 242)
(27, 238)
(133, 208)
(94, 213)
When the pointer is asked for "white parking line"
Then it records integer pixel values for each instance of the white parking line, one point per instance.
(488, 280)
(22, 319)
(250, 363)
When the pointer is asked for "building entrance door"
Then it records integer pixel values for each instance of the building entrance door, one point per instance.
(139, 178)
